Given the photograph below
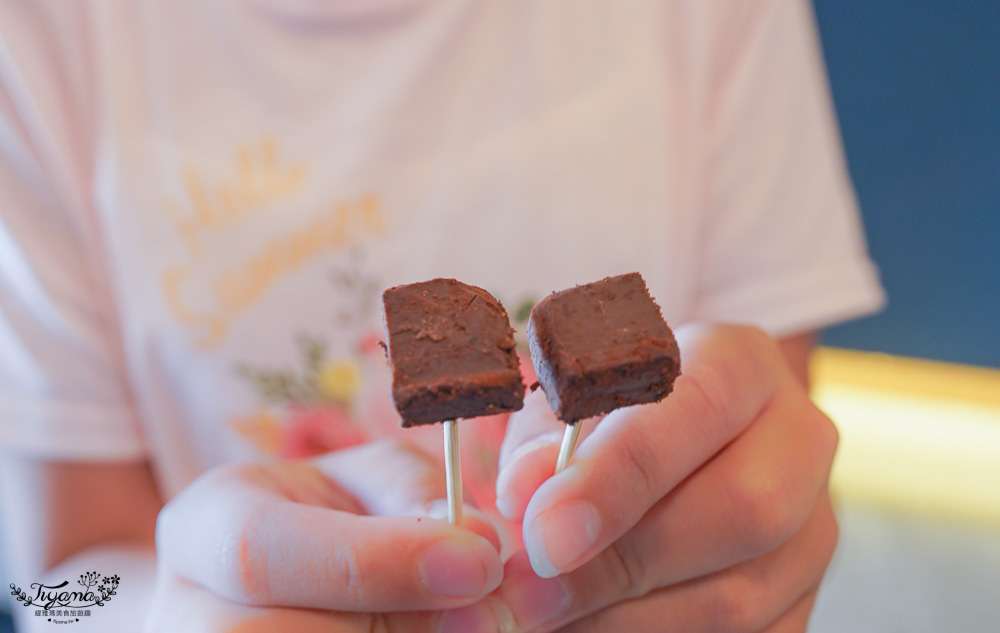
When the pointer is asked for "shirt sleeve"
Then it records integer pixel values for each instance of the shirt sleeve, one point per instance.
(63, 392)
(782, 242)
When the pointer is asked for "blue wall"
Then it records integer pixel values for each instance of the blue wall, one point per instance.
(917, 89)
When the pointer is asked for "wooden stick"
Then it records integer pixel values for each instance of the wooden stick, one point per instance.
(453, 471)
(570, 437)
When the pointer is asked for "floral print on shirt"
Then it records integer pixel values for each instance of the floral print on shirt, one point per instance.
(330, 402)
(307, 411)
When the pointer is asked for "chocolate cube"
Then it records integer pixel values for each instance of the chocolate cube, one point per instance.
(452, 352)
(602, 346)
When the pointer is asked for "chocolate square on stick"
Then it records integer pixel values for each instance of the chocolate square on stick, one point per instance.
(602, 346)
(452, 352)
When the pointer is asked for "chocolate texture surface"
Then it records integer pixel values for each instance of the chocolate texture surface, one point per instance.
(452, 352)
(602, 346)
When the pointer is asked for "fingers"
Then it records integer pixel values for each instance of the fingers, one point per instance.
(796, 619)
(750, 499)
(183, 606)
(772, 590)
(391, 478)
(535, 421)
(373, 474)
(638, 454)
(532, 443)
(246, 534)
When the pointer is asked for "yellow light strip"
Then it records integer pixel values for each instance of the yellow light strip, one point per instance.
(902, 374)
(916, 435)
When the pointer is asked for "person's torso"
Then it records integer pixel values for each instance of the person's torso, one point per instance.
(262, 179)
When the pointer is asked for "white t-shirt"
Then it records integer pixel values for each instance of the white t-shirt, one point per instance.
(201, 201)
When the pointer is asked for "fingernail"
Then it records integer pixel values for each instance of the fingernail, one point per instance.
(438, 509)
(459, 568)
(506, 504)
(507, 507)
(478, 618)
(535, 601)
(558, 538)
(542, 441)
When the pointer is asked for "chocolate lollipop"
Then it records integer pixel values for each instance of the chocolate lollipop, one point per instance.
(453, 356)
(599, 347)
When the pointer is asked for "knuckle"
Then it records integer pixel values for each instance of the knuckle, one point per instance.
(830, 539)
(627, 569)
(762, 501)
(749, 356)
(379, 623)
(707, 386)
(731, 351)
(735, 605)
(347, 571)
(244, 561)
(833, 540)
(403, 622)
(165, 522)
(820, 437)
(726, 391)
(759, 344)
(828, 436)
(830, 535)
(601, 622)
(640, 463)
(749, 343)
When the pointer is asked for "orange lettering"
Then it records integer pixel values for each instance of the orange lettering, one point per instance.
(214, 326)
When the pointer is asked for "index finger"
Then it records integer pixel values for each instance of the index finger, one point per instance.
(636, 455)
(240, 533)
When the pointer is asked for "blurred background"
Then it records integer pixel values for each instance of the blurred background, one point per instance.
(917, 90)
(915, 390)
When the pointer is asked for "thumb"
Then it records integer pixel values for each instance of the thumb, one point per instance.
(528, 454)
(281, 534)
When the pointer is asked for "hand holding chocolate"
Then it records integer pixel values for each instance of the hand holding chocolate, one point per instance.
(595, 348)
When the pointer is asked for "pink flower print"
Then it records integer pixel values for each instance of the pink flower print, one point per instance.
(314, 430)
(371, 345)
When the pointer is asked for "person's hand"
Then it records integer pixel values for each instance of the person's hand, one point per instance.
(342, 543)
(708, 511)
